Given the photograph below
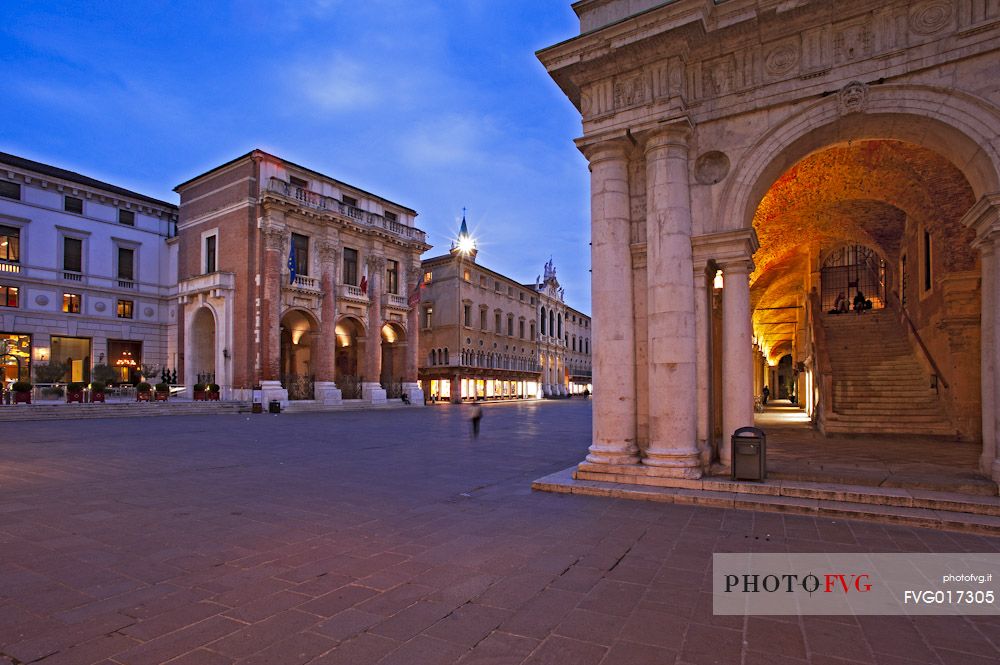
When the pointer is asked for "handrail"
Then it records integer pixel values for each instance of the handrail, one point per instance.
(927, 354)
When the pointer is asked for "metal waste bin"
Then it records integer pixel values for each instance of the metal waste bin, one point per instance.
(749, 454)
(274, 406)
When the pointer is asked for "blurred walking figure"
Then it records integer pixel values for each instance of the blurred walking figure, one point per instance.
(477, 415)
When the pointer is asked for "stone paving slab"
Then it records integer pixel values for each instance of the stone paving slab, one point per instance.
(393, 537)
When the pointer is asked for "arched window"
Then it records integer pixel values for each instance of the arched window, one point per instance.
(552, 324)
(543, 322)
(446, 356)
(560, 325)
(432, 358)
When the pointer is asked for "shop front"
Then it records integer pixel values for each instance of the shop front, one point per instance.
(15, 358)
(74, 353)
(125, 359)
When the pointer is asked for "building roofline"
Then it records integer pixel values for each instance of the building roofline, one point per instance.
(257, 153)
(79, 178)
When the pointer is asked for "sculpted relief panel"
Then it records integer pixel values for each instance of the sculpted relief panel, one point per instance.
(810, 52)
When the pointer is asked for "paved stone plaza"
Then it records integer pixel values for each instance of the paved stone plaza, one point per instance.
(391, 537)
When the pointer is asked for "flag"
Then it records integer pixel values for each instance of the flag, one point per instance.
(291, 264)
(364, 281)
(415, 294)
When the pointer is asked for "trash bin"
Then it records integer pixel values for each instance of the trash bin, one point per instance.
(749, 454)
(274, 406)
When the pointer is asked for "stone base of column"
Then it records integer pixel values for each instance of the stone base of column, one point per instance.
(373, 393)
(674, 465)
(327, 393)
(605, 454)
(414, 393)
(272, 390)
(996, 470)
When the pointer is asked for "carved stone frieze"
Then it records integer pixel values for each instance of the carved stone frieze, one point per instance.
(931, 16)
(274, 237)
(853, 98)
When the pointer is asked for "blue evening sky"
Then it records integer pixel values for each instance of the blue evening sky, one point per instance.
(435, 104)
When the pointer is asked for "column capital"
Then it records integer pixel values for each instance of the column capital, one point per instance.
(328, 251)
(274, 235)
(984, 218)
(607, 149)
(376, 263)
(725, 248)
(675, 135)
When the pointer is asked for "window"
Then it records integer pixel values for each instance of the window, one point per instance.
(391, 216)
(532, 300)
(300, 249)
(510, 291)
(927, 261)
(428, 276)
(126, 264)
(71, 303)
(392, 277)
(349, 200)
(126, 217)
(8, 296)
(496, 286)
(298, 182)
(428, 317)
(210, 254)
(468, 315)
(124, 309)
(467, 275)
(482, 281)
(73, 204)
(10, 244)
(559, 319)
(543, 321)
(532, 336)
(522, 296)
(350, 266)
(496, 323)
(510, 326)
(482, 319)
(10, 190)
(72, 255)
(520, 328)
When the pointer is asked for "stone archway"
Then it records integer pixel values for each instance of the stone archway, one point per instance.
(349, 360)
(394, 345)
(201, 351)
(298, 354)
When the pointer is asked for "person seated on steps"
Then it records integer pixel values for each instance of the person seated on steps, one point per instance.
(840, 305)
(859, 302)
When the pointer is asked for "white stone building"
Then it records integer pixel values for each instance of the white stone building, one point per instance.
(87, 274)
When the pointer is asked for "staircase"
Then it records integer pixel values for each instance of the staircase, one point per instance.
(879, 386)
(59, 411)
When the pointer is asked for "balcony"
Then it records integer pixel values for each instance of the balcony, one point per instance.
(126, 284)
(9, 266)
(72, 276)
(216, 284)
(302, 282)
(395, 301)
(310, 199)
(351, 292)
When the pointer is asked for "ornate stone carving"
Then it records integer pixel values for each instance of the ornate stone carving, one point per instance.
(328, 252)
(853, 98)
(41, 301)
(148, 312)
(781, 58)
(376, 264)
(100, 307)
(719, 75)
(930, 16)
(274, 237)
(630, 91)
(852, 42)
(711, 167)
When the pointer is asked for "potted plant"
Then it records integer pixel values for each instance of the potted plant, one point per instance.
(213, 392)
(143, 392)
(199, 392)
(97, 389)
(22, 392)
(53, 392)
(162, 392)
(74, 392)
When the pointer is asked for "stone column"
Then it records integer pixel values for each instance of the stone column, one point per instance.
(988, 461)
(372, 390)
(702, 329)
(274, 236)
(411, 383)
(326, 348)
(737, 354)
(614, 426)
(671, 310)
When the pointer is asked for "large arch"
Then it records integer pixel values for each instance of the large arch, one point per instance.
(349, 361)
(956, 125)
(299, 328)
(394, 344)
(201, 352)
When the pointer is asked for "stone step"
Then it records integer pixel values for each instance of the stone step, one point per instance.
(833, 425)
(117, 410)
(920, 508)
(875, 418)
